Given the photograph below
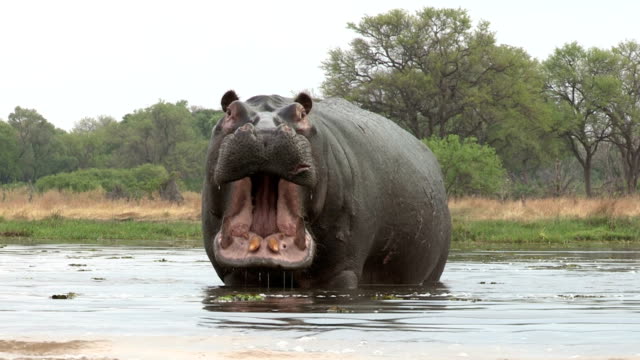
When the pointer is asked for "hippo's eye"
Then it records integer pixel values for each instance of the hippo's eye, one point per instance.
(229, 112)
(303, 114)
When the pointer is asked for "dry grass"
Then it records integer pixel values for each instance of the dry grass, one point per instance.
(15, 205)
(537, 209)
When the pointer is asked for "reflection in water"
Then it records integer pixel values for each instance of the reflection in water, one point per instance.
(364, 300)
(322, 311)
(562, 303)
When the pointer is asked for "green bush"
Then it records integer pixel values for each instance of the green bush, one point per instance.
(145, 179)
(468, 167)
(135, 182)
(13, 186)
(78, 181)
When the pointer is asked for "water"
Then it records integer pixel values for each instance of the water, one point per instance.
(541, 304)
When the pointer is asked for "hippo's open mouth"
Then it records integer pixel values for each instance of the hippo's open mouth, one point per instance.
(263, 227)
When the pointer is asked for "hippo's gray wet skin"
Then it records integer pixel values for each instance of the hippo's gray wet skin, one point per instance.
(335, 195)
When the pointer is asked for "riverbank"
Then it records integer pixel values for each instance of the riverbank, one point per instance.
(560, 233)
(64, 217)
(58, 230)
(182, 347)
(467, 233)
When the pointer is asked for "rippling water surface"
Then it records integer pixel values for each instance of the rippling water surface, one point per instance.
(539, 303)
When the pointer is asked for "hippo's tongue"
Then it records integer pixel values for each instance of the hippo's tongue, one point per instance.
(265, 188)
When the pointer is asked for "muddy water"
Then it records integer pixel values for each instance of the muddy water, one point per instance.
(525, 304)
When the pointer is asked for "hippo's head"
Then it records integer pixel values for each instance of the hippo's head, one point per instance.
(261, 171)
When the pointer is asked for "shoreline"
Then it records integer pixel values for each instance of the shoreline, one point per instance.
(556, 233)
(105, 346)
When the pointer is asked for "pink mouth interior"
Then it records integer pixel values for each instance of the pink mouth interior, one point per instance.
(263, 225)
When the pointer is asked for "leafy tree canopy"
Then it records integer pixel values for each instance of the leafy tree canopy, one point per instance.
(468, 167)
(8, 153)
(435, 74)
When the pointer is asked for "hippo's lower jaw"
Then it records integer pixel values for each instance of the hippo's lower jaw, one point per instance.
(240, 255)
(263, 226)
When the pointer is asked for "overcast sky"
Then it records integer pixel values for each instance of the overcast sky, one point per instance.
(73, 59)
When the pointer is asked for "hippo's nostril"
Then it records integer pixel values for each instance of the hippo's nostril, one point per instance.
(246, 130)
(247, 127)
(286, 129)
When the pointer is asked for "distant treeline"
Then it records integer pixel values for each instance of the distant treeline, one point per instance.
(501, 122)
(174, 137)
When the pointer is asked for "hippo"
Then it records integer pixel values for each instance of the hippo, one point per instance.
(320, 194)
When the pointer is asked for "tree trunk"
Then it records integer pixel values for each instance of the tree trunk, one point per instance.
(628, 177)
(632, 178)
(629, 167)
(587, 176)
(558, 180)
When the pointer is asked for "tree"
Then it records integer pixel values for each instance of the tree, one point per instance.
(468, 168)
(575, 79)
(171, 125)
(89, 124)
(8, 153)
(434, 73)
(35, 142)
(523, 132)
(92, 141)
(167, 134)
(188, 160)
(621, 103)
(151, 134)
(204, 120)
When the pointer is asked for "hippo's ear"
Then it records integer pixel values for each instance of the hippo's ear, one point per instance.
(305, 100)
(228, 97)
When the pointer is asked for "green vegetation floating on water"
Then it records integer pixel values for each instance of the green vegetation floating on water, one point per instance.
(477, 234)
(240, 297)
(67, 296)
(385, 297)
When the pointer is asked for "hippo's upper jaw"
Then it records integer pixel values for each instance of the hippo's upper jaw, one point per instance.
(263, 227)
(265, 168)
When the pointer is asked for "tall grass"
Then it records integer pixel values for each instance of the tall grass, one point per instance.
(23, 204)
(540, 209)
(477, 223)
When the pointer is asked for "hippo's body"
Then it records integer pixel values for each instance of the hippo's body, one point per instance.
(333, 197)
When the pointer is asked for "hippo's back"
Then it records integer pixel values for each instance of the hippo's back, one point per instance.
(389, 149)
(398, 187)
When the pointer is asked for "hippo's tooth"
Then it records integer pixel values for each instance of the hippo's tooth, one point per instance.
(272, 243)
(254, 244)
